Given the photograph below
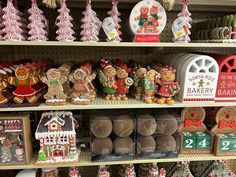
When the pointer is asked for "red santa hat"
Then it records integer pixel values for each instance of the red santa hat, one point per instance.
(122, 65)
(105, 64)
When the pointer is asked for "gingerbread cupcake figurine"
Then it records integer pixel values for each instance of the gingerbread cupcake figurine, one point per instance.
(23, 82)
(107, 77)
(123, 81)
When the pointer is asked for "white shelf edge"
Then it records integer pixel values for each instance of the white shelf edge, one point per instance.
(85, 161)
(99, 103)
(117, 44)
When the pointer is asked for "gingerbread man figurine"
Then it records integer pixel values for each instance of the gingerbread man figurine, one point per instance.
(123, 81)
(55, 94)
(23, 82)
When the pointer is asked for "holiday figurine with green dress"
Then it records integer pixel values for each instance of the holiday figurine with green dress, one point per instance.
(107, 77)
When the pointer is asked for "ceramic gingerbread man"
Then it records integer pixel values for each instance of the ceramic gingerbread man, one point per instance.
(138, 77)
(3, 85)
(55, 94)
(81, 92)
(123, 81)
(23, 82)
(225, 121)
(150, 85)
(192, 120)
(107, 77)
(168, 88)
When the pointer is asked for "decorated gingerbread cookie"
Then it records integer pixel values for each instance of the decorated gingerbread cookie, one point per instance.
(192, 120)
(225, 121)
(55, 94)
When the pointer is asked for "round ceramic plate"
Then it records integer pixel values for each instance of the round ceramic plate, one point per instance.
(147, 17)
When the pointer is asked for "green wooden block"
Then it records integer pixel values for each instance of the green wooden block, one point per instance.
(189, 141)
(203, 140)
(228, 143)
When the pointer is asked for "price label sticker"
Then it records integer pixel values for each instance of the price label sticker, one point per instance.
(109, 28)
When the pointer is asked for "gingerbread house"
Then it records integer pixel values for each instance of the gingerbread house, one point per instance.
(57, 137)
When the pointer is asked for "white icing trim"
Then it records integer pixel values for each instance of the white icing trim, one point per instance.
(55, 100)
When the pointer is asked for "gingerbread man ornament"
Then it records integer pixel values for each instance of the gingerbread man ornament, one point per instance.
(192, 120)
(225, 121)
(55, 94)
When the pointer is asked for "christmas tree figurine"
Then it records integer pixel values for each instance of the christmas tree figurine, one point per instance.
(12, 23)
(129, 171)
(187, 15)
(37, 23)
(89, 27)
(65, 31)
(114, 14)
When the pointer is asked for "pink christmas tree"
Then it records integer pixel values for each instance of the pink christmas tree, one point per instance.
(90, 29)
(114, 14)
(186, 14)
(1, 21)
(65, 31)
(12, 23)
(37, 23)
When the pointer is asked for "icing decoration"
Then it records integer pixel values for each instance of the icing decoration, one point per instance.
(188, 123)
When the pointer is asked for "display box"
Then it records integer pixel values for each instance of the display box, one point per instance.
(15, 139)
(194, 136)
(225, 132)
(112, 136)
(156, 136)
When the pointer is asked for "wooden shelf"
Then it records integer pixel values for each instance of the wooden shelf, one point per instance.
(117, 44)
(85, 160)
(100, 103)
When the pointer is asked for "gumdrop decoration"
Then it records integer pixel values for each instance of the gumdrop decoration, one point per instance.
(37, 25)
(114, 14)
(65, 31)
(187, 15)
(90, 30)
(12, 23)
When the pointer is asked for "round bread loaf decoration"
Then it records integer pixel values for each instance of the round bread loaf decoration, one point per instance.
(102, 146)
(166, 143)
(146, 143)
(146, 125)
(101, 126)
(166, 125)
(123, 126)
(123, 145)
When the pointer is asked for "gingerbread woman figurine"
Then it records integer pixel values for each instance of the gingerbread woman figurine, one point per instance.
(123, 81)
(107, 77)
(168, 88)
(55, 94)
(23, 83)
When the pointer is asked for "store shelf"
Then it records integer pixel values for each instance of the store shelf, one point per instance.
(100, 103)
(85, 160)
(117, 44)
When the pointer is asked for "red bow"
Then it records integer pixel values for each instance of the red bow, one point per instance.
(188, 123)
(223, 124)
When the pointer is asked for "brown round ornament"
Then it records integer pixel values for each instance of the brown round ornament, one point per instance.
(146, 125)
(166, 125)
(124, 145)
(166, 143)
(101, 126)
(146, 144)
(102, 146)
(123, 126)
